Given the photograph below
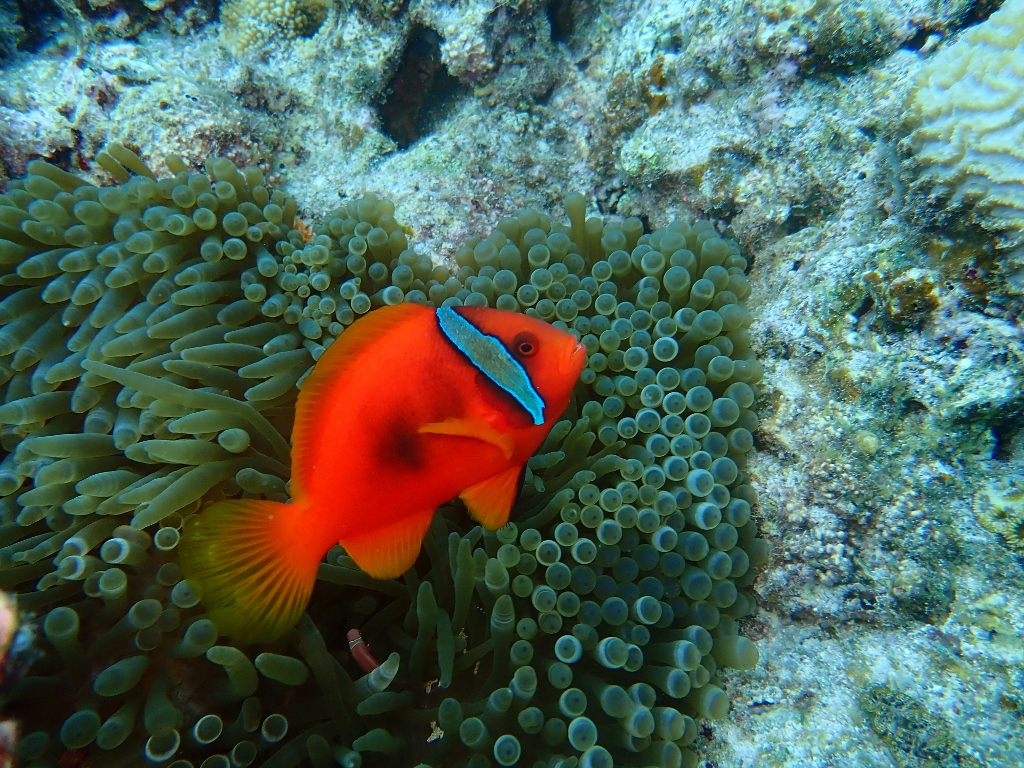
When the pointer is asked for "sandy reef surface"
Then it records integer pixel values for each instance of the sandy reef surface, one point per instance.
(891, 621)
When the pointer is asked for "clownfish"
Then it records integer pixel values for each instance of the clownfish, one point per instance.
(409, 408)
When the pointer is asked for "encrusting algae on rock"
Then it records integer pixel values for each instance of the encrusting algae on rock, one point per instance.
(153, 337)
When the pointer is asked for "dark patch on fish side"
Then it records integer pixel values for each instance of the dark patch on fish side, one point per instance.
(400, 445)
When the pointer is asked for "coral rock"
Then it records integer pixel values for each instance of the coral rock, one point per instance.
(969, 102)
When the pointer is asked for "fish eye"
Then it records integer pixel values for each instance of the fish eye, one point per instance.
(525, 345)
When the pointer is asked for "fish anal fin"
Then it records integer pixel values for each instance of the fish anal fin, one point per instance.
(342, 356)
(388, 551)
(251, 565)
(490, 502)
(477, 429)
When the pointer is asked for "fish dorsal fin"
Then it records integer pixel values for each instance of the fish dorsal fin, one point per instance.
(341, 357)
(490, 502)
(478, 429)
(388, 551)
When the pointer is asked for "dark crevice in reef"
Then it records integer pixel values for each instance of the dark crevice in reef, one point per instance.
(916, 41)
(865, 306)
(560, 18)
(977, 13)
(545, 98)
(809, 212)
(797, 220)
(421, 92)
(913, 407)
(39, 20)
(1006, 434)
(64, 157)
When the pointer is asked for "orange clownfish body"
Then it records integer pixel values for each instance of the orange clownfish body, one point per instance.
(409, 408)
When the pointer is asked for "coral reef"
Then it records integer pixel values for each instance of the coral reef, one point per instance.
(154, 337)
(1000, 508)
(968, 102)
(914, 737)
(11, 31)
(90, 21)
(247, 25)
(890, 403)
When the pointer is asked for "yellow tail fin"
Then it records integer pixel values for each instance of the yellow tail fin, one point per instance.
(251, 565)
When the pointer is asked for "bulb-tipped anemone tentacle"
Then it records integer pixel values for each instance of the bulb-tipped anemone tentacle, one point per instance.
(154, 336)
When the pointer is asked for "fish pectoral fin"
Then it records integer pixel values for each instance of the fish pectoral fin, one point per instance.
(388, 551)
(490, 502)
(478, 429)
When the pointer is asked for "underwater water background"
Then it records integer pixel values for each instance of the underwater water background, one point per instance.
(781, 522)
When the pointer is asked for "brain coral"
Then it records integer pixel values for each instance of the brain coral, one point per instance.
(152, 338)
(969, 100)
